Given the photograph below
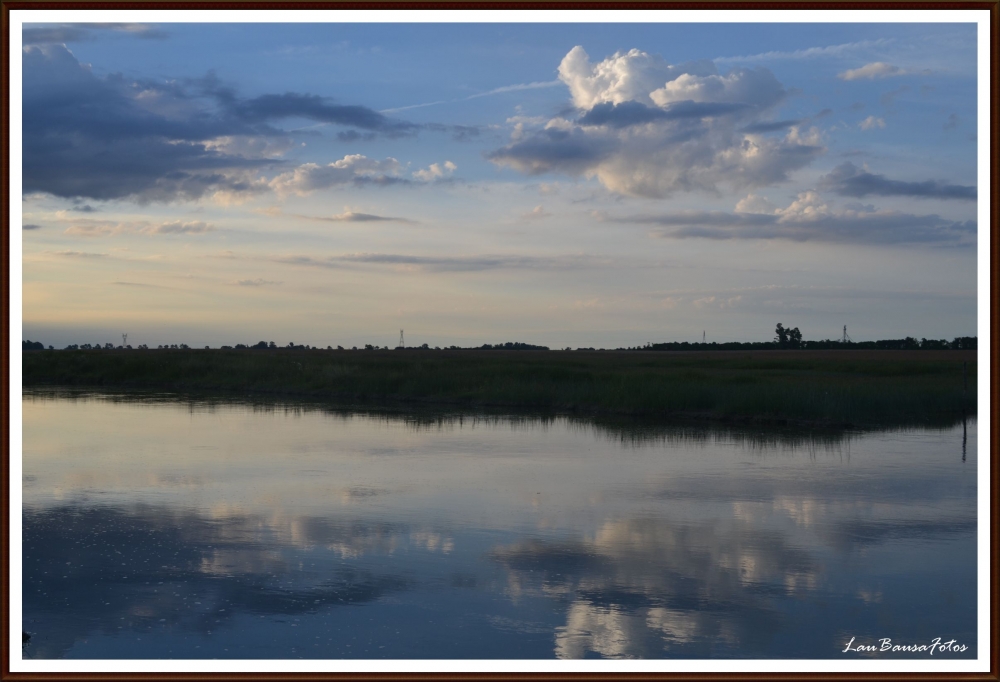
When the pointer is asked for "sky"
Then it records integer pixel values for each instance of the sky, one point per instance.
(573, 185)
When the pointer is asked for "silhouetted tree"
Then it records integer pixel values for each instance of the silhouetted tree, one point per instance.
(787, 338)
(794, 338)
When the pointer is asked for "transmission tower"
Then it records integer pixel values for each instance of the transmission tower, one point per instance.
(703, 336)
(124, 340)
(401, 344)
(846, 338)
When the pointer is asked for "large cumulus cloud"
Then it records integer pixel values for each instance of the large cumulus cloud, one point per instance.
(650, 128)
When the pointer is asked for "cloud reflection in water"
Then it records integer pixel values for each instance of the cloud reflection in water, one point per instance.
(236, 531)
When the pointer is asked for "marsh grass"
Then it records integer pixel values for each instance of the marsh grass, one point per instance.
(845, 388)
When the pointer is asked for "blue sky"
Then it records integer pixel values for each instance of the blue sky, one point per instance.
(567, 184)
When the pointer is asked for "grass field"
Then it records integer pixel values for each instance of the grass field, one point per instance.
(834, 388)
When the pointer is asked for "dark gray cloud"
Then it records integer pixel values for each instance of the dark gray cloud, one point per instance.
(268, 108)
(850, 181)
(75, 33)
(473, 263)
(432, 263)
(889, 97)
(258, 282)
(952, 122)
(80, 254)
(459, 133)
(31, 226)
(572, 151)
(848, 226)
(108, 574)
(113, 138)
(353, 217)
(274, 107)
(141, 285)
(668, 156)
(55, 34)
(631, 113)
(86, 136)
(771, 126)
(621, 115)
(355, 136)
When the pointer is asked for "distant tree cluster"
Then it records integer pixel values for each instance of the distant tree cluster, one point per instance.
(96, 346)
(787, 338)
(689, 346)
(512, 346)
(271, 345)
(792, 338)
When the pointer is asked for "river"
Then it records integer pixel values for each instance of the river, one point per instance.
(166, 527)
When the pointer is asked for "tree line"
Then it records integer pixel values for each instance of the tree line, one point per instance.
(785, 338)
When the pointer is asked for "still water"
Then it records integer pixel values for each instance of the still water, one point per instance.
(168, 528)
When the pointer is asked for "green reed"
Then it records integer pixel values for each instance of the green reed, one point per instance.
(843, 388)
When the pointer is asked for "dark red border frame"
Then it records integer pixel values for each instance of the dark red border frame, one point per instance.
(902, 5)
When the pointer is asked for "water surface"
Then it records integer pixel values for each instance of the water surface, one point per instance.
(165, 528)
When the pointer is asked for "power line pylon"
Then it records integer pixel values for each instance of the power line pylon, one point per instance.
(401, 344)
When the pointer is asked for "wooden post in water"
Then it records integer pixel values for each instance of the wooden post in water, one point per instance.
(965, 390)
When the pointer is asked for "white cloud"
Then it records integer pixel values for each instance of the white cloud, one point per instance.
(753, 203)
(810, 52)
(758, 88)
(353, 168)
(649, 128)
(107, 228)
(249, 146)
(435, 171)
(624, 77)
(636, 76)
(537, 213)
(807, 207)
(871, 71)
(871, 123)
(178, 227)
(514, 88)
